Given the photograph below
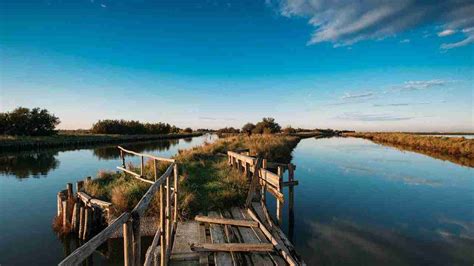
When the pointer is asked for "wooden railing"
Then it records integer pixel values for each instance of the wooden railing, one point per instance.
(130, 221)
(269, 180)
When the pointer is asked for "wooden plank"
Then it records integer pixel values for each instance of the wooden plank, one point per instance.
(137, 176)
(217, 220)
(218, 237)
(270, 177)
(203, 256)
(147, 155)
(84, 251)
(89, 201)
(248, 159)
(186, 233)
(248, 236)
(237, 257)
(232, 247)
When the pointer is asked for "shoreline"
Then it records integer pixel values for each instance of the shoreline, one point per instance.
(456, 150)
(20, 143)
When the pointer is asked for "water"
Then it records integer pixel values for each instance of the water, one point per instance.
(29, 182)
(359, 203)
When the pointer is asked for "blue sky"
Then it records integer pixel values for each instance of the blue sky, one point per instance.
(365, 65)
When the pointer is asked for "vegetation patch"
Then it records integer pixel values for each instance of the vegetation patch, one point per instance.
(206, 181)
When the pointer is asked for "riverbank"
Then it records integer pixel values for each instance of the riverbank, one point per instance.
(457, 150)
(206, 181)
(17, 143)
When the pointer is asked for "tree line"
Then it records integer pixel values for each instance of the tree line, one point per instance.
(132, 127)
(28, 122)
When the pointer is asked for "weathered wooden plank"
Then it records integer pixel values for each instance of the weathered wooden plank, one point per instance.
(217, 220)
(254, 183)
(89, 201)
(186, 233)
(218, 237)
(147, 155)
(137, 176)
(241, 157)
(270, 177)
(203, 256)
(127, 243)
(233, 247)
(248, 236)
(81, 253)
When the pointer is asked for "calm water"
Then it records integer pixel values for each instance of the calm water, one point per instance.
(359, 203)
(29, 183)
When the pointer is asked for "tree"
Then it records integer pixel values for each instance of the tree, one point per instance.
(267, 126)
(188, 130)
(25, 122)
(248, 128)
(289, 130)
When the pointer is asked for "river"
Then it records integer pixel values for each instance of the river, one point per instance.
(357, 203)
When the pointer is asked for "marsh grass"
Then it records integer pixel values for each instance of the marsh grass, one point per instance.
(457, 150)
(205, 182)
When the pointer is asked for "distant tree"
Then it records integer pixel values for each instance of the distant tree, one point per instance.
(289, 130)
(25, 122)
(188, 130)
(131, 127)
(228, 130)
(267, 126)
(248, 128)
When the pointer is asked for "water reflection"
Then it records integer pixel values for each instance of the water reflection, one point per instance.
(346, 242)
(28, 164)
(111, 152)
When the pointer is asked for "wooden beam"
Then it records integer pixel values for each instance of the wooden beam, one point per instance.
(235, 222)
(254, 184)
(84, 251)
(147, 155)
(151, 250)
(137, 176)
(233, 247)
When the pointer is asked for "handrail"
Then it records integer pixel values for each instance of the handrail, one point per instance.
(147, 155)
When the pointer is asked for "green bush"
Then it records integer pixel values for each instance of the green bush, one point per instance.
(25, 122)
(132, 127)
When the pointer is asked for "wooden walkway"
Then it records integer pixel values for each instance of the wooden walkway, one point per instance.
(237, 236)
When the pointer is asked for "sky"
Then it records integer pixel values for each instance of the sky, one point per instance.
(365, 65)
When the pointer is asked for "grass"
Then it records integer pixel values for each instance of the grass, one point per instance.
(458, 150)
(206, 181)
(75, 139)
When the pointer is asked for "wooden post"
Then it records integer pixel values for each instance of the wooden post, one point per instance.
(264, 163)
(168, 211)
(69, 190)
(162, 226)
(60, 203)
(87, 223)
(155, 168)
(142, 171)
(122, 155)
(279, 205)
(127, 243)
(79, 185)
(247, 170)
(65, 213)
(291, 202)
(239, 166)
(81, 222)
(175, 171)
(137, 242)
(75, 217)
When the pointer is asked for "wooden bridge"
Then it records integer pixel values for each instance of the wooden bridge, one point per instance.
(238, 236)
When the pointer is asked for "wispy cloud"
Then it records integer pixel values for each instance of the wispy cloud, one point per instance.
(209, 118)
(347, 22)
(357, 95)
(405, 41)
(446, 32)
(400, 104)
(413, 85)
(373, 117)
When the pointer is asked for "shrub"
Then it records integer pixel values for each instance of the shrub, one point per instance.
(25, 122)
(248, 128)
(267, 126)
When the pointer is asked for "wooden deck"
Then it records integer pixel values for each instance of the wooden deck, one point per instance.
(240, 237)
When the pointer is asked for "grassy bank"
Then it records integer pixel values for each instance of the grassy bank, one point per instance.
(457, 150)
(206, 182)
(12, 143)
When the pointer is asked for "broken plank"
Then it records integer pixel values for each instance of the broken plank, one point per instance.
(235, 222)
(233, 247)
(218, 237)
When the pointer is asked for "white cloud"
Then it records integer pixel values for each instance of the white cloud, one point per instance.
(405, 41)
(413, 85)
(347, 22)
(373, 117)
(357, 96)
(446, 32)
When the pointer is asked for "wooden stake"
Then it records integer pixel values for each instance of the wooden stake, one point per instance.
(81, 222)
(65, 213)
(69, 190)
(79, 185)
(137, 241)
(175, 171)
(162, 226)
(168, 212)
(75, 218)
(127, 243)
(87, 223)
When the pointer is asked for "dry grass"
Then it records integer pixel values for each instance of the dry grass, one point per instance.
(458, 150)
